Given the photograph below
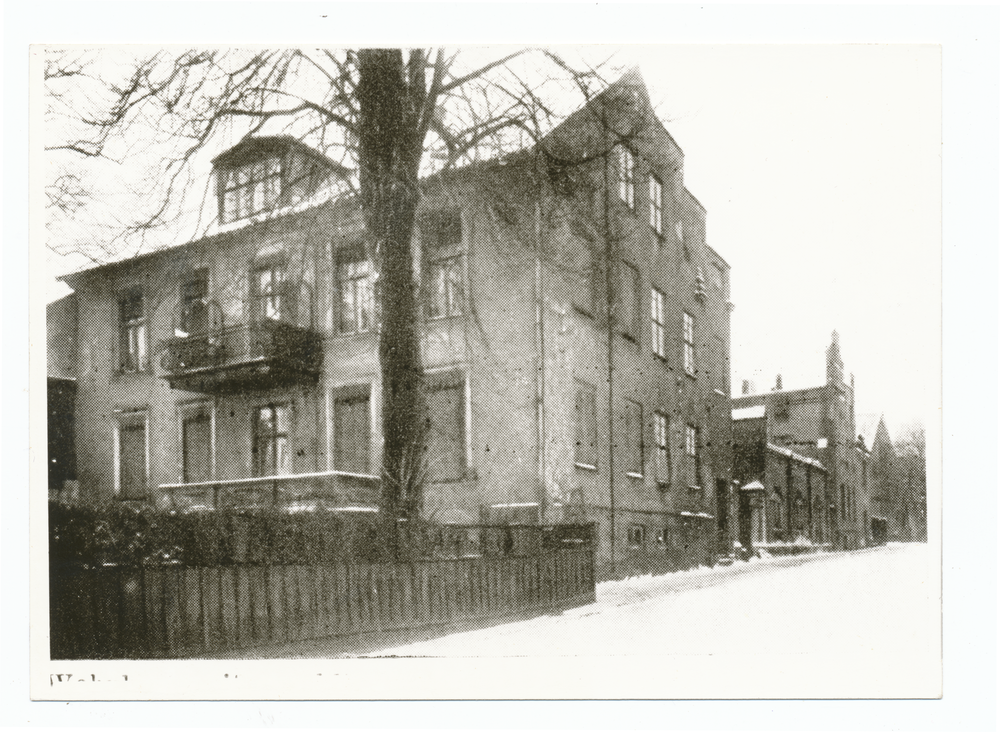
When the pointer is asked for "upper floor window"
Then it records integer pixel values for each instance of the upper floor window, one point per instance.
(441, 234)
(692, 451)
(132, 332)
(633, 438)
(194, 316)
(656, 204)
(689, 366)
(626, 176)
(356, 281)
(658, 319)
(249, 189)
(627, 299)
(273, 296)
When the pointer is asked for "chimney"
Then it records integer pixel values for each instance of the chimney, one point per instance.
(777, 383)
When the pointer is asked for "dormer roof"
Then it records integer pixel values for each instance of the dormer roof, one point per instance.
(256, 148)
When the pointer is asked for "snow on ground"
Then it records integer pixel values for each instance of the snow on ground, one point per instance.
(872, 601)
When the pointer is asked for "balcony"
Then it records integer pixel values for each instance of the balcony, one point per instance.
(249, 357)
(327, 491)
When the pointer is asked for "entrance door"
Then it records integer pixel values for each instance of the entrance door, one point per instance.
(722, 510)
(745, 519)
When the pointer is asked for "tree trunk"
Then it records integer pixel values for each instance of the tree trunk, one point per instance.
(390, 94)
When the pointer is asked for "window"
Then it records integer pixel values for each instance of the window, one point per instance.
(661, 430)
(692, 451)
(445, 280)
(272, 294)
(679, 230)
(356, 280)
(352, 431)
(196, 443)
(656, 205)
(626, 176)
(659, 322)
(271, 449)
(441, 233)
(633, 438)
(445, 442)
(132, 450)
(249, 189)
(194, 305)
(718, 279)
(689, 367)
(132, 332)
(627, 299)
(637, 535)
(586, 425)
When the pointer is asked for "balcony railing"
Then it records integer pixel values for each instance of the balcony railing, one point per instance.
(327, 491)
(260, 355)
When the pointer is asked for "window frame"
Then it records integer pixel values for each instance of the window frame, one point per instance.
(634, 466)
(260, 177)
(688, 343)
(459, 383)
(637, 536)
(446, 287)
(361, 285)
(661, 440)
(133, 333)
(198, 411)
(274, 436)
(586, 426)
(656, 204)
(692, 452)
(630, 283)
(627, 164)
(351, 395)
(658, 322)
(129, 420)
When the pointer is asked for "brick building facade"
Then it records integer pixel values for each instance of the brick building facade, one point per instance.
(575, 336)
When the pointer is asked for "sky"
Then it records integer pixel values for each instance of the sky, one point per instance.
(819, 167)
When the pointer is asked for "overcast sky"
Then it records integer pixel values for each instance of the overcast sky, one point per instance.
(819, 167)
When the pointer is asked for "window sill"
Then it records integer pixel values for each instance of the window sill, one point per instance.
(586, 466)
(630, 474)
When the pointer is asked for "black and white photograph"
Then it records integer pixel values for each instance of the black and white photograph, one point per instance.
(494, 371)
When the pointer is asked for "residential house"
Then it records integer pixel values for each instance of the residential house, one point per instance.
(575, 344)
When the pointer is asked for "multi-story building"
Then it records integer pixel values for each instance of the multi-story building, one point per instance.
(575, 344)
(800, 468)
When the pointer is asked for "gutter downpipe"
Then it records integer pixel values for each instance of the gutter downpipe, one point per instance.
(540, 366)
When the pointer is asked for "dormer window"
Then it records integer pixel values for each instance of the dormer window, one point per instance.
(261, 174)
(249, 189)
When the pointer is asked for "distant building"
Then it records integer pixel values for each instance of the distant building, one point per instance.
(575, 330)
(897, 496)
(801, 472)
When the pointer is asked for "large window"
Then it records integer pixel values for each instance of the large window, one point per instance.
(356, 281)
(132, 462)
(633, 438)
(196, 442)
(626, 176)
(441, 234)
(445, 287)
(658, 318)
(352, 431)
(249, 189)
(692, 454)
(656, 204)
(132, 332)
(586, 425)
(271, 448)
(627, 299)
(689, 366)
(273, 296)
(661, 431)
(194, 316)
(445, 441)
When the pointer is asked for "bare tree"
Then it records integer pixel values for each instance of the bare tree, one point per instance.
(387, 115)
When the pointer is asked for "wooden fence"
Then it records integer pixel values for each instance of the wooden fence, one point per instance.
(169, 612)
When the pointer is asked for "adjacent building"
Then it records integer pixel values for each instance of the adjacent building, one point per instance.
(575, 335)
(801, 472)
